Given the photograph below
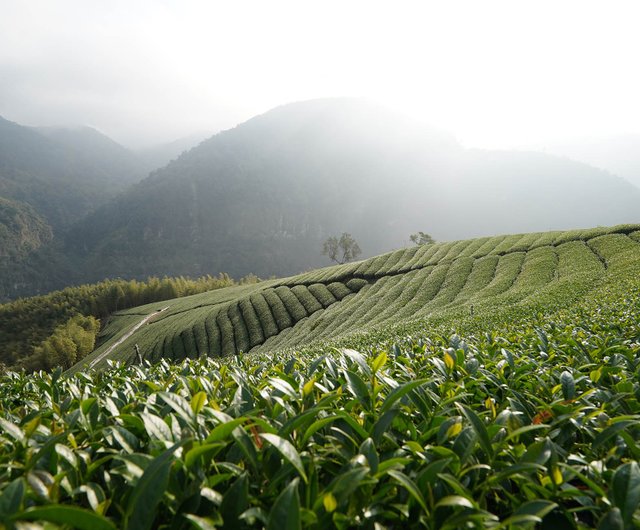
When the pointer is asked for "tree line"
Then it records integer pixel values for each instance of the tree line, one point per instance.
(59, 328)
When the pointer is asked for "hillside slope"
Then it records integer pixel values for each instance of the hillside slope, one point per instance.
(453, 284)
(51, 178)
(62, 173)
(262, 197)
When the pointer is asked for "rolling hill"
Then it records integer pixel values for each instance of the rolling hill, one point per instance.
(262, 197)
(461, 284)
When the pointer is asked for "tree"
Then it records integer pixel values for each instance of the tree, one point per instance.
(341, 250)
(421, 239)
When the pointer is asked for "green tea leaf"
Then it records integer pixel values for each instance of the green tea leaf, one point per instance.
(410, 486)
(285, 513)
(399, 392)
(568, 385)
(612, 520)
(625, 490)
(156, 427)
(479, 428)
(358, 388)
(149, 490)
(316, 426)
(538, 452)
(454, 501)
(538, 508)
(379, 361)
(66, 515)
(200, 522)
(307, 388)
(368, 449)
(198, 451)
(287, 450)
(343, 486)
(611, 431)
(355, 426)
(198, 401)
(223, 431)
(11, 498)
(12, 430)
(180, 405)
(235, 501)
(329, 502)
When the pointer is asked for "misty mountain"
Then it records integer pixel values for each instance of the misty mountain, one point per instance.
(263, 196)
(51, 178)
(22, 230)
(160, 155)
(101, 157)
(30, 259)
(63, 174)
(619, 154)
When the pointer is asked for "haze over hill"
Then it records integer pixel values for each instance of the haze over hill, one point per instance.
(63, 173)
(261, 198)
(159, 155)
(50, 178)
(619, 154)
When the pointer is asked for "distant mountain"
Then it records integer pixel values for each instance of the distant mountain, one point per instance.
(160, 155)
(263, 196)
(63, 174)
(619, 154)
(51, 178)
(103, 158)
(22, 230)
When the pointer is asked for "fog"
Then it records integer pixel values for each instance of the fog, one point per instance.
(498, 74)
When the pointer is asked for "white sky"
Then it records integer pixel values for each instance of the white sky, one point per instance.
(495, 73)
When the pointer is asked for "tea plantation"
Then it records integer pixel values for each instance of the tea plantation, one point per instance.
(491, 383)
(493, 278)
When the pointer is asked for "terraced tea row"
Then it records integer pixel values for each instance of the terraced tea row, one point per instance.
(440, 282)
(226, 329)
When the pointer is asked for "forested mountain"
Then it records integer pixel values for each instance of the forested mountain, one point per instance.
(22, 230)
(263, 196)
(51, 178)
(63, 174)
(156, 156)
(103, 160)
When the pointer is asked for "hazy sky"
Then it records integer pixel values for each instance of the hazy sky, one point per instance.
(495, 73)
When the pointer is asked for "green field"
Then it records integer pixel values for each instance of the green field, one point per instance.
(461, 284)
(374, 397)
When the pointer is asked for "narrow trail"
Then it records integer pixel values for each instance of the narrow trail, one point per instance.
(126, 336)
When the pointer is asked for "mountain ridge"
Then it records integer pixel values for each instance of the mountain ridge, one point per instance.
(261, 197)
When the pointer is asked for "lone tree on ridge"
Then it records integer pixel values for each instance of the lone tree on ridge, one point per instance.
(341, 250)
(421, 239)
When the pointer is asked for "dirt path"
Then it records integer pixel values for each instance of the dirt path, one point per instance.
(126, 336)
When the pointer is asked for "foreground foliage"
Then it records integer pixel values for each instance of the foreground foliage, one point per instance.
(531, 425)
